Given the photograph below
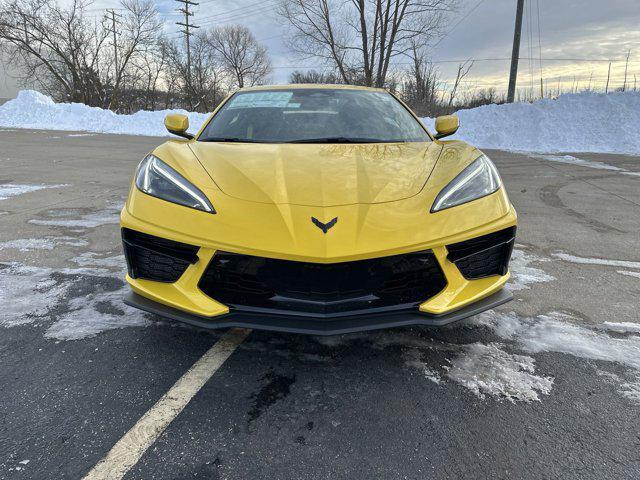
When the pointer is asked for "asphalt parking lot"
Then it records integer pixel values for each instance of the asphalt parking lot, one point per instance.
(546, 386)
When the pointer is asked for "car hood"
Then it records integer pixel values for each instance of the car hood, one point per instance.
(316, 174)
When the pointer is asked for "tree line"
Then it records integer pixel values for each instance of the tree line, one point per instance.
(68, 54)
(125, 63)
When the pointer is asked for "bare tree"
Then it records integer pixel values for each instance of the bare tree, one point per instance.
(140, 25)
(463, 70)
(244, 59)
(63, 51)
(313, 76)
(361, 38)
(56, 48)
(146, 79)
(421, 85)
(204, 88)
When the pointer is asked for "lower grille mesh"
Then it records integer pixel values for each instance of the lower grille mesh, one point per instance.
(255, 283)
(154, 258)
(483, 256)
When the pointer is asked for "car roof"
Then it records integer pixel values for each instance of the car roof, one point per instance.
(310, 85)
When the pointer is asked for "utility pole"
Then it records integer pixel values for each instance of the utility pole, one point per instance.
(112, 16)
(187, 31)
(515, 53)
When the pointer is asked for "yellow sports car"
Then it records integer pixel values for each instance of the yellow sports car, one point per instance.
(321, 209)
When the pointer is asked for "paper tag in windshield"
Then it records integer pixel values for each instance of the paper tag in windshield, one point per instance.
(261, 100)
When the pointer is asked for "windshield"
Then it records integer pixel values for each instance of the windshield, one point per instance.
(313, 115)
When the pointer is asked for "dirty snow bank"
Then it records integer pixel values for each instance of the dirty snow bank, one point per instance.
(582, 122)
(34, 110)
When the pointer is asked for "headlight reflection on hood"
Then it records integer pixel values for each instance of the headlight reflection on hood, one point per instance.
(476, 181)
(156, 178)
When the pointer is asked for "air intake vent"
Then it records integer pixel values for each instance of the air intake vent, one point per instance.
(154, 258)
(325, 290)
(483, 256)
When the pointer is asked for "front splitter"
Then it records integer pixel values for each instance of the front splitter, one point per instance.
(317, 326)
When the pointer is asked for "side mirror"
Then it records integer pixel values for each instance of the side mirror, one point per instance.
(178, 124)
(447, 125)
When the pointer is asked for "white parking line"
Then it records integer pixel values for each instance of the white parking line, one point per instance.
(130, 448)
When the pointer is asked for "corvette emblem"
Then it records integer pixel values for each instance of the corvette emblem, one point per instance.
(324, 226)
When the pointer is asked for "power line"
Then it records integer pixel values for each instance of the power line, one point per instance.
(237, 16)
(237, 10)
(458, 23)
(496, 59)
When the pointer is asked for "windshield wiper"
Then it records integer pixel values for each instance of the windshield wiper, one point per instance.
(228, 139)
(338, 140)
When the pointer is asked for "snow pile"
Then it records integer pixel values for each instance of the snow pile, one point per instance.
(582, 122)
(32, 109)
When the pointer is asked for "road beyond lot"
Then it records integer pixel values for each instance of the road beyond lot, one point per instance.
(547, 386)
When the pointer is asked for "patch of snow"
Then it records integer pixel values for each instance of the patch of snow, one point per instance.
(87, 220)
(8, 190)
(561, 333)
(596, 261)
(622, 327)
(26, 293)
(95, 260)
(95, 313)
(31, 109)
(631, 390)
(484, 369)
(523, 274)
(633, 174)
(45, 243)
(570, 123)
(629, 273)
(489, 370)
(75, 302)
(568, 159)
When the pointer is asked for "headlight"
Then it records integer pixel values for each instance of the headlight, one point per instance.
(477, 180)
(156, 178)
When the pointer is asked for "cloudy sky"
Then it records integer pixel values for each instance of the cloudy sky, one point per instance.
(577, 39)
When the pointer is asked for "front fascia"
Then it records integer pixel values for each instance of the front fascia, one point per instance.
(287, 232)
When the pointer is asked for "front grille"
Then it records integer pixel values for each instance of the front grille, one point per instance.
(154, 258)
(262, 284)
(483, 256)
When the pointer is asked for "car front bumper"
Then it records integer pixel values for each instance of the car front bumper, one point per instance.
(314, 326)
(366, 233)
